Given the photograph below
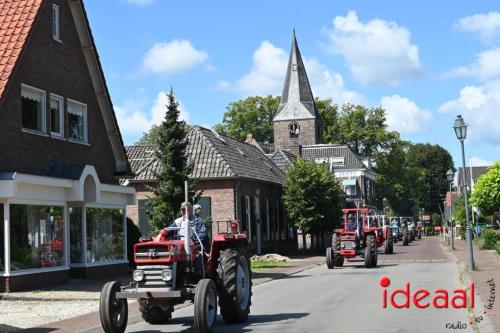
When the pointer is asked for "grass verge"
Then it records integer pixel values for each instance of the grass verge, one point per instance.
(264, 264)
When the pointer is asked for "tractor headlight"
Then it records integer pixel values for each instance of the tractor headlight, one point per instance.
(166, 274)
(138, 275)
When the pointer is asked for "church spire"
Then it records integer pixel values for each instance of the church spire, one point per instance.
(297, 100)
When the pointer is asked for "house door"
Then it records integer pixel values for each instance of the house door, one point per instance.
(258, 221)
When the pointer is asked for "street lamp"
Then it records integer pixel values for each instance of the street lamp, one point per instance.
(460, 128)
(450, 175)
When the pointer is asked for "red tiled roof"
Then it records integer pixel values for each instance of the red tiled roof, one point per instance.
(16, 19)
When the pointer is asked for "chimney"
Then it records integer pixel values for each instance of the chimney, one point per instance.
(295, 148)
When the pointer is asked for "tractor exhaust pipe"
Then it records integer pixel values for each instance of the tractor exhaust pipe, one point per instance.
(187, 227)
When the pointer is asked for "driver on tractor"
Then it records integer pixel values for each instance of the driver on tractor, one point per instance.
(195, 222)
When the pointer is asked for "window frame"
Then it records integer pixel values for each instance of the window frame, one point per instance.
(60, 99)
(85, 121)
(43, 101)
(56, 29)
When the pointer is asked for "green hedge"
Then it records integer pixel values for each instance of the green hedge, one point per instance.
(490, 240)
(498, 247)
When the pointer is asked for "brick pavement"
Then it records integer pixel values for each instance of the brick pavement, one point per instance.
(487, 267)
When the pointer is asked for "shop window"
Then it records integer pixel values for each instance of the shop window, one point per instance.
(105, 235)
(36, 237)
(2, 253)
(33, 109)
(76, 234)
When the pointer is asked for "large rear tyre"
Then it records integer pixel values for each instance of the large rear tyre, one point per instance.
(388, 243)
(234, 283)
(371, 251)
(338, 260)
(113, 311)
(155, 314)
(329, 258)
(205, 306)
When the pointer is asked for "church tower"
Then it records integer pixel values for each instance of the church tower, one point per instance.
(297, 121)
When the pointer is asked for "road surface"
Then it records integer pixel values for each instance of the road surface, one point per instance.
(347, 299)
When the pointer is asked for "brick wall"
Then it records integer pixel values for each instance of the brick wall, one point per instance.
(32, 281)
(58, 68)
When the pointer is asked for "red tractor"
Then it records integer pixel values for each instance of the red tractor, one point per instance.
(361, 235)
(172, 269)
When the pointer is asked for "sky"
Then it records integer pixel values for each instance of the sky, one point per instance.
(425, 62)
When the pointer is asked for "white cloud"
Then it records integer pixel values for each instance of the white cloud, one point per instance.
(175, 56)
(478, 161)
(140, 2)
(486, 66)
(268, 71)
(134, 121)
(378, 52)
(486, 25)
(479, 106)
(404, 115)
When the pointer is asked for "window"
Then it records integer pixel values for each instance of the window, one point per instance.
(350, 190)
(33, 108)
(56, 115)
(55, 23)
(36, 237)
(144, 208)
(77, 121)
(105, 235)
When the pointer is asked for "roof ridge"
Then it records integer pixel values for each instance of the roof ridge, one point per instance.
(211, 145)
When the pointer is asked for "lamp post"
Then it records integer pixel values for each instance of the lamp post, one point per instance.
(450, 175)
(460, 128)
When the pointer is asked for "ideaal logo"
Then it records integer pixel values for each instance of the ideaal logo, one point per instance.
(440, 299)
(423, 298)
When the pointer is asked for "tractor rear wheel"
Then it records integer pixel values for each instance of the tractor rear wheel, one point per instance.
(113, 311)
(420, 235)
(371, 251)
(329, 258)
(205, 306)
(338, 260)
(234, 283)
(155, 314)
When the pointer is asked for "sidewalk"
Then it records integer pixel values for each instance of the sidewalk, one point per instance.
(487, 267)
(91, 323)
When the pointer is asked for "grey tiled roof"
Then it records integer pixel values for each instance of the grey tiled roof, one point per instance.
(213, 156)
(282, 158)
(297, 101)
(477, 172)
(351, 160)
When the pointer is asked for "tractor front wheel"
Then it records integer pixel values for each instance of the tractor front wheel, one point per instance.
(405, 238)
(155, 314)
(234, 283)
(113, 311)
(371, 251)
(388, 243)
(329, 258)
(205, 306)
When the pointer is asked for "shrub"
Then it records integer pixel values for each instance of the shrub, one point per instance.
(498, 246)
(133, 235)
(491, 239)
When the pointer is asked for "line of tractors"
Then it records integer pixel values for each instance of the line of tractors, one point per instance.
(175, 267)
(363, 231)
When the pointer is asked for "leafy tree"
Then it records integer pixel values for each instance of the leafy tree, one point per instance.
(174, 168)
(329, 114)
(427, 164)
(486, 194)
(363, 130)
(250, 115)
(150, 137)
(312, 197)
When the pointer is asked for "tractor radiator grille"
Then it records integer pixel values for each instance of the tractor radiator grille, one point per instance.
(152, 276)
(152, 252)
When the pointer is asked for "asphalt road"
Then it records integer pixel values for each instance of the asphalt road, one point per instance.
(347, 299)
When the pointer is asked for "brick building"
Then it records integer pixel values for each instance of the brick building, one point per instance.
(61, 153)
(237, 181)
